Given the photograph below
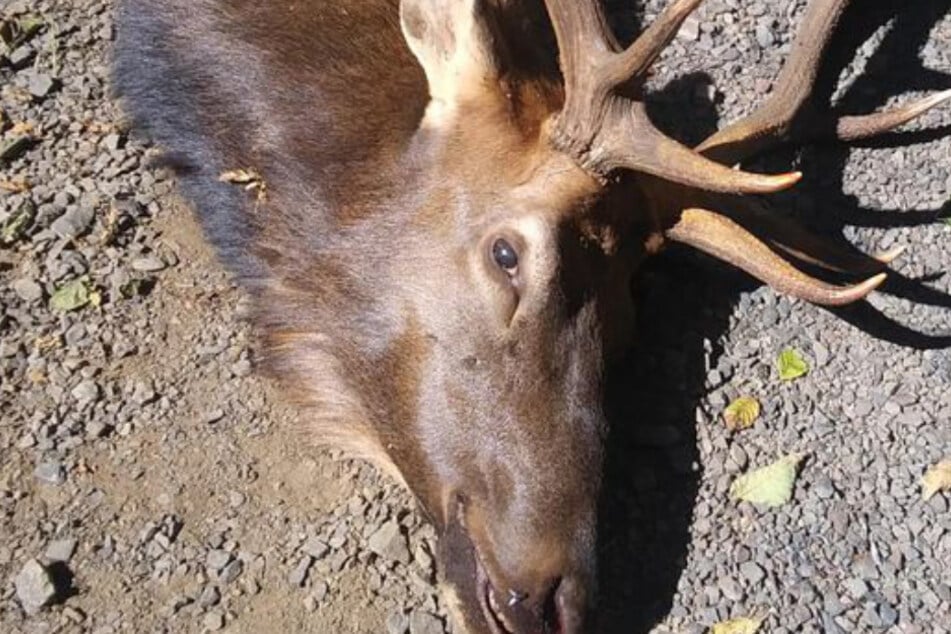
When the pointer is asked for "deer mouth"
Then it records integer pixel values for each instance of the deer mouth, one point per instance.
(495, 611)
(495, 616)
(505, 613)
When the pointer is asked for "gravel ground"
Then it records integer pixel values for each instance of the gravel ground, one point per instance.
(149, 482)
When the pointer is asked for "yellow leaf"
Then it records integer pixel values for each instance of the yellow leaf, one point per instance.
(791, 365)
(23, 128)
(937, 478)
(741, 625)
(771, 485)
(46, 343)
(741, 413)
(16, 185)
(74, 295)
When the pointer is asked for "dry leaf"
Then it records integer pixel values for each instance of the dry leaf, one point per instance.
(937, 478)
(251, 180)
(23, 128)
(110, 226)
(741, 413)
(46, 343)
(99, 127)
(791, 365)
(743, 625)
(239, 177)
(771, 485)
(16, 185)
(17, 224)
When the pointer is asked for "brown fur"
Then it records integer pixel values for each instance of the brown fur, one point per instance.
(376, 298)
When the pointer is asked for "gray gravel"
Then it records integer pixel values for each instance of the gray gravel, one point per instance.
(150, 482)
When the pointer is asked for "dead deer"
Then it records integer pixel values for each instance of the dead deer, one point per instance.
(451, 198)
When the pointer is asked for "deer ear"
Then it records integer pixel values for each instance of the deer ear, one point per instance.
(455, 44)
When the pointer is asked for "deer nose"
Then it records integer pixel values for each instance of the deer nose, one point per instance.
(559, 609)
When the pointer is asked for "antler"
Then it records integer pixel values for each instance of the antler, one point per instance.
(604, 128)
(780, 118)
(720, 237)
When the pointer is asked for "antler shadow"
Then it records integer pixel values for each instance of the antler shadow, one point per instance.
(653, 473)
(894, 68)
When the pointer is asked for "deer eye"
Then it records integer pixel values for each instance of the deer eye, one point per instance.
(505, 256)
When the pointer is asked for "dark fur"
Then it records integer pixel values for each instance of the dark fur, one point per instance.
(377, 305)
(272, 102)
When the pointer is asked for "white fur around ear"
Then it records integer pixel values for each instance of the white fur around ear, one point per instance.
(453, 41)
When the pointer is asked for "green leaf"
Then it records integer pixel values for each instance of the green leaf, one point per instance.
(14, 147)
(741, 625)
(74, 295)
(741, 413)
(17, 224)
(770, 486)
(791, 365)
(16, 31)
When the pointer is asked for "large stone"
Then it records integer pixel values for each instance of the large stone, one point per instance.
(74, 222)
(34, 587)
(425, 623)
(390, 543)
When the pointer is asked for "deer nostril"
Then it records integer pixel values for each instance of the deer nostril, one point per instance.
(565, 608)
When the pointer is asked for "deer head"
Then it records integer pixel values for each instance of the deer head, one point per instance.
(446, 298)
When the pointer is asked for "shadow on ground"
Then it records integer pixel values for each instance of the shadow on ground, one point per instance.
(685, 300)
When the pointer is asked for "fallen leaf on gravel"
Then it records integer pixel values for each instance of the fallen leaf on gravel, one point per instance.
(23, 128)
(791, 365)
(14, 147)
(133, 288)
(16, 31)
(74, 295)
(17, 224)
(16, 185)
(937, 478)
(771, 485)
(741, 413)
(46, 343)
(741, 625)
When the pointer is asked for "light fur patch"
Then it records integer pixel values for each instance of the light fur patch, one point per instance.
(452, 44)
(454, 605)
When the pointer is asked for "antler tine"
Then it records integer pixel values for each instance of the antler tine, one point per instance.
(604, 130)
(853, 128)
(722, 238)
(793, 87)
(639, 56)
(793, 239)
(638, 145)
(773, 122)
